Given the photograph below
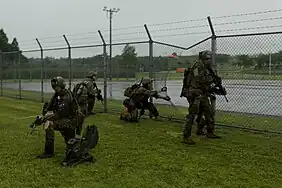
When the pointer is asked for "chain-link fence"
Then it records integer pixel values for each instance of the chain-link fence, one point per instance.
(249, 64)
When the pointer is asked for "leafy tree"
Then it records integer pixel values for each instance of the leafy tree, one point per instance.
(129, 55)
(244, 60)
(3, 36)
(261, 60)
(222, 58)
(15, 45)
(5, 46)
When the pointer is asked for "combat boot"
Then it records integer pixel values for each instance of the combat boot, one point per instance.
(200, 132)
(188, 141)
(48, 151)
(212, 135)
(91, 113)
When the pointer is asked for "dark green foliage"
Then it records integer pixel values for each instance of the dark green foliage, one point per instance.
(11, 51)
(124, 65)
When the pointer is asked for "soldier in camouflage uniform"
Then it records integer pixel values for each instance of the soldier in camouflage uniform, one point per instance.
(198, 95)
(138, 99)
(92, 90)
(201, 120)
(84, 92)
(64, 117)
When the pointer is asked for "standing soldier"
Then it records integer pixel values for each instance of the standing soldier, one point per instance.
(216, 89)
(84, 92)
(198, 95)
(64, 116)
(92, 90)
(200, 117)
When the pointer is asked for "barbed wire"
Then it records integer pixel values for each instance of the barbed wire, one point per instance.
(155, 30)
(248, 21)
(182, 28)
(249, 28)
(173, 35)
(247, 14)
(207, 32)
(69, 36)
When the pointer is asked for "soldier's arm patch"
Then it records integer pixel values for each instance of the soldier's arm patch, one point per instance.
(196, 72)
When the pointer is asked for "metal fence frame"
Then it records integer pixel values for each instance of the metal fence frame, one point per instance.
(104, 45)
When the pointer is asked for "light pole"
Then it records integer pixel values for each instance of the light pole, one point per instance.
(110, 11)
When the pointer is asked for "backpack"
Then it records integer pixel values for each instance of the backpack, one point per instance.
(130, 90)
(185, 79)
(78, 90)
(186, 83)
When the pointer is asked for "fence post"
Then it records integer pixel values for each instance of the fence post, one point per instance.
(41, 70)
(70, 63)
(213, 44)
(105, 72)
(150, 55)
(19, 74)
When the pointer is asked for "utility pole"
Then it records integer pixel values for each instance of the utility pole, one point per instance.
(110, 11)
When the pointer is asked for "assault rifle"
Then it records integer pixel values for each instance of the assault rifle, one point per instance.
(39, 119)
(98, 96)
(218, 83)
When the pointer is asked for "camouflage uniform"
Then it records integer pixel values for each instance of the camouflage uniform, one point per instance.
(139, 100)
(198, 94)
(91, 86)
(64, 118)
(201, 120)
(84, 92)
(200, 117)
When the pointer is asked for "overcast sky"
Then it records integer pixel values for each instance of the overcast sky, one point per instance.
(30, 19)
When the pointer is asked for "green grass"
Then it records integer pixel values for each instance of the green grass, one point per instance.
(145, 154)
(225, 118)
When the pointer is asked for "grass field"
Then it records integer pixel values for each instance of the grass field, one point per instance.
(145, 154)
(225, 118)
(172, 75)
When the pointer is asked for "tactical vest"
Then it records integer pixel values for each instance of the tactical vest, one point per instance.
(199, 77)
(130, 90)
(79, 90)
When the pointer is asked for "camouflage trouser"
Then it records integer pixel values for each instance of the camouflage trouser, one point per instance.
(91, 103)
(84, 110)
(64, 126)
(201, 120)
(199, 102)
(150, 107)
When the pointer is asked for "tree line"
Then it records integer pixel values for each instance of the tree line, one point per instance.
(124, 65)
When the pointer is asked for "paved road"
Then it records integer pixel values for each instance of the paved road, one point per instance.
(247, 96)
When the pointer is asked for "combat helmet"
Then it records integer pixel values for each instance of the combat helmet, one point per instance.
(205, 55)
(58, 81)
(147, 81)
(91, 74)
